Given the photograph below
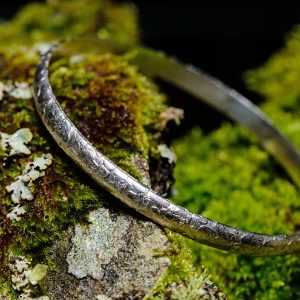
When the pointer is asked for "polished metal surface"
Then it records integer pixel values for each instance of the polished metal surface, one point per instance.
(143, 199)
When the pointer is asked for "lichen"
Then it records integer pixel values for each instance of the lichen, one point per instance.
(103, 245)
(20, 188)
(16, 142)
(119, 262)
(23, 278)
(37, 274)
(19, 269)
(108, 109)
(16, 212)
(17, 89)
(122, 113)
(33, 170)
(199, 287)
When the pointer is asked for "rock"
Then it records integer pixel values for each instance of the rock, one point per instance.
(73, 239)
(113, 257)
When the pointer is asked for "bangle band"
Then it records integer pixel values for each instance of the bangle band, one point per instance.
(145, 200)
(226, 100)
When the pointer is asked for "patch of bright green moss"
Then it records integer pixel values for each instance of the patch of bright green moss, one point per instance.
(55, 20)
(232, 180)
(228, 177)
(182, 280)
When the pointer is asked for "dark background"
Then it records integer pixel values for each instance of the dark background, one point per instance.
(224, 38)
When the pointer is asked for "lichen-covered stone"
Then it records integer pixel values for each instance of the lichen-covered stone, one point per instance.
(114, 256)
(78, 240)
(37, 206)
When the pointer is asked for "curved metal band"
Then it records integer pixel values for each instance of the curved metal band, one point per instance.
(143, 199)
(226, 100)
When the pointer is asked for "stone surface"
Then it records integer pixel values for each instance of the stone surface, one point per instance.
(81, 242)
(113, 257)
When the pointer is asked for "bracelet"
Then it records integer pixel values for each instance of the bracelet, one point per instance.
(143, 199)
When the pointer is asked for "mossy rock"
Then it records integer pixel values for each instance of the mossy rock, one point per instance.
(61, 235)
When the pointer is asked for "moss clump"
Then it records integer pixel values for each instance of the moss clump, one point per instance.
(113, 105)
(110, 102)
(54, 20)
(108, 107)
(229, 177)
(278, 81)
(117, 108)
(182, 280)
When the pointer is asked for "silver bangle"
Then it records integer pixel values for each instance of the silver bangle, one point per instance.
(145, 200)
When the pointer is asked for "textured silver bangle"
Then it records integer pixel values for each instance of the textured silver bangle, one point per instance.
(143, 199)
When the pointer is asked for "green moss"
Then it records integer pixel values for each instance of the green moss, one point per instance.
(65, 19)
(112, 104)
(181, 267)
(198, 287)
(106, 106)
(229, 177)
(109, 101)
(6, 289)
(259, 198)
(182, 280)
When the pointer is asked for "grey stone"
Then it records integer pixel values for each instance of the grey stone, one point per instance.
(113, 257)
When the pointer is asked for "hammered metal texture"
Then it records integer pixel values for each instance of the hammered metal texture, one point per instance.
(138, 196)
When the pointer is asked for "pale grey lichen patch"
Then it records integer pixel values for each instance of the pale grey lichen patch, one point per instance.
(33, 170)
(170, 114)
(19, 269)
(15, 143)
(24, 279)
(93, 246)
(20, 188)
(102, 297)
(37, 274)
(4, 296)
(19, 90)
(16, 212)
(167, 153)
(42, 48)
(114, 257)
